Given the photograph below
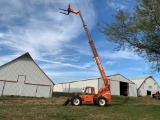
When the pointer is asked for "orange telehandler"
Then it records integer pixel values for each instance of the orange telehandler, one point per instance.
(104, 94)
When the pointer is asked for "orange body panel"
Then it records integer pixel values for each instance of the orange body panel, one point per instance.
(88, 94)
(91, 96)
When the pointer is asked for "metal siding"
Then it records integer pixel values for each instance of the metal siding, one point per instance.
(142, 90)
(133, 90)
(22, 71)
(21, 78)
(29, 90)
(63, 87)
(58, 88)
(150, 85)
(34, 74)
(20, 88)
(77, 86)
(43, 91)
(67, 87)
(1, 87)
(100, 83)
(139, 80)
(119, 78)
(8, 74)
(10, 88)
(24, 66)
(72, 87)
(114, 85)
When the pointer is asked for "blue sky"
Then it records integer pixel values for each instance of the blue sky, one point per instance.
(58, 42)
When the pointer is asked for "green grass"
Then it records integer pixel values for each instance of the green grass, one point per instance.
(122, 108)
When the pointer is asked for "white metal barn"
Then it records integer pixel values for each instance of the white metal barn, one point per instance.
(146, 85)
(23, 77)
(119, 85)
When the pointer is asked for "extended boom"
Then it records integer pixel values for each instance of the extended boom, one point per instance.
(104, 95)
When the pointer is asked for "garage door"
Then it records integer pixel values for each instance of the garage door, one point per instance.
(133, 90)
(114, 85)
(43, 91)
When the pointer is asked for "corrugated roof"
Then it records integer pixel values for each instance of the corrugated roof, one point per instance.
(93, 79)
(139, 80)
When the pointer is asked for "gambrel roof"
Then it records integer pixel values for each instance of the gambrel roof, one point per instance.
(140, 80)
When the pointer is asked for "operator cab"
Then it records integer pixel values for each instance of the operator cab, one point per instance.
(89, 90)
(88, 94)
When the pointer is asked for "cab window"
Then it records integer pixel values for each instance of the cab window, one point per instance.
(88, 91)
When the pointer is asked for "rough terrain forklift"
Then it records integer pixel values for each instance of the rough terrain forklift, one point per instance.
(103, 97)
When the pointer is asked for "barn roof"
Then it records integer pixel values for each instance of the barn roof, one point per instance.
(140, 80)
(96, 79)
(28, 55)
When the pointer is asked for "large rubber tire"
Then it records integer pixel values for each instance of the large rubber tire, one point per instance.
(101, 101)
(76, 101)
(95, 102)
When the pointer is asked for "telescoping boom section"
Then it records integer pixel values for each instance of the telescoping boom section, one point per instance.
(96, 57)
(104, 95)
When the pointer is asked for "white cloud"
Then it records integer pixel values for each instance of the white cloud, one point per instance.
(7, 58)
(1, 35)
(37, 26)
(116, 4)
(55, 64)
(110, 63)
(136, 69)
(119, 55)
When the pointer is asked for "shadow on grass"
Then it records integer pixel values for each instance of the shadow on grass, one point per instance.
(121, 102)
(116, 102)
